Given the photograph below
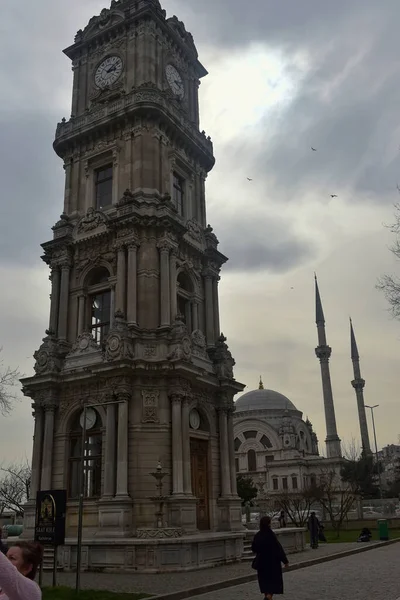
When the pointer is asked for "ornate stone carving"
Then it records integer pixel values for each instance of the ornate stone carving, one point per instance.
(92, 254)
(211, 238)
(48, 359)
(180, 343)
(91, 221)
(119, 342)
(222, 359)
(84, 343)
(323, 353)
(150, 351)
(194, 230)
(165, 532)
(199, 344)
(127, 198)
(150, 406)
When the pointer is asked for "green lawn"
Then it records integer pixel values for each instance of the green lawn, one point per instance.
(352, 535)
(66, 593)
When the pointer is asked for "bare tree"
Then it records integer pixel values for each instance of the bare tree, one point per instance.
(14, 487)
(297, 506)
(336, 496)
(8, 380)
(390, 284)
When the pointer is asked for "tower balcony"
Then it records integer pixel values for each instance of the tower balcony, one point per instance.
(148, 100)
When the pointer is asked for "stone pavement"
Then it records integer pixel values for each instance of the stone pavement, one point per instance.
(372, 575)
(166, 583)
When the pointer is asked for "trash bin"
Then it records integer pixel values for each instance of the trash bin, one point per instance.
(383, 529)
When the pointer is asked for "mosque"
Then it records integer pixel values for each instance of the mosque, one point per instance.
(275, 444)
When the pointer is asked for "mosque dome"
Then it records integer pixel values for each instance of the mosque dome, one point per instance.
(262, 399)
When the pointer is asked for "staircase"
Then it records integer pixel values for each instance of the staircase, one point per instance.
(247, 553)
(48, 558)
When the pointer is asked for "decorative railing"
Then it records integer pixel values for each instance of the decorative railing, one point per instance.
(75, 125)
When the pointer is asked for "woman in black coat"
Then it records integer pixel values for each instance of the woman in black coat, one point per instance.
(268, 561)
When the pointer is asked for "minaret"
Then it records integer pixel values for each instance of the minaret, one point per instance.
(358, 384)
(323, 352)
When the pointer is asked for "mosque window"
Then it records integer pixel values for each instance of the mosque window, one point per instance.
(251, 460)
(266, 442)
(294, 483)
(178, 193)
(93, 454)
(104, 185)
(313, 480)
(99, 295)
(238, 443)
(248, 435)
(185, 300)
(284, 483)
(275, 483)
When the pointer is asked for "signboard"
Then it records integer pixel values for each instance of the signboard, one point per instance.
(51, 509)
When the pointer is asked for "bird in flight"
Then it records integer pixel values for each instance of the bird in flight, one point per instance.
(248, 179)
(313, 149)
(333, 196)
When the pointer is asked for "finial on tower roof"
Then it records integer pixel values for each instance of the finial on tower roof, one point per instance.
(261, 385)
(354, 349)
(319, 313)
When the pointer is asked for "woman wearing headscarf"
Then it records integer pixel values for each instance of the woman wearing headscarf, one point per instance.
(268, 561)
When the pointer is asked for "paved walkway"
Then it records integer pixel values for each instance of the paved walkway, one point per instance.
(166, 583)
(370, 575)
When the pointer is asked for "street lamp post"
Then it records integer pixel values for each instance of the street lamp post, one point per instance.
(82, 483)
(376, 445)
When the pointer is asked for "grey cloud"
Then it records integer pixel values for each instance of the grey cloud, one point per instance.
(31, 180)
(254, 244)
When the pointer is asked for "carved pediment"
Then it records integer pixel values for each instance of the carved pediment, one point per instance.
(48, 358)
(84, 353)
(94, 221)
(107, 18)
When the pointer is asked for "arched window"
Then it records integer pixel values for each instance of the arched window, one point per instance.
(99, 300)
(93, 453)
(251, 460)
(185, 292)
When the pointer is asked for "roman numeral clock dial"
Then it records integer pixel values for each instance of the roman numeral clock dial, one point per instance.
(175, 81)
(108, 72)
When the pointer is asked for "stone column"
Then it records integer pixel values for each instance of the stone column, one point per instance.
(231, 443)
(217, 329)
(120, 293)
(37, 451)
(81, 313)
(122, 450)
(224, 454)
(47, 460)
(177, 461)
(112, 305)
(172, 286)
(109, 458)
(67, 192)
(209, 310)
(195, 315)
(55, 299)
(132, 283)
(187, 478)
(165, 292)
(64, 301)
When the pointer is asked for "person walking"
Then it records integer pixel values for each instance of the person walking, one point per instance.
(17, 572)
(314, 529)
(282, 519)
(268, 560)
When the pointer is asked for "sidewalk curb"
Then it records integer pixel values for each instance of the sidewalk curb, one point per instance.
(220, 585)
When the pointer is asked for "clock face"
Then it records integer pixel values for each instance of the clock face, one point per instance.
(194, 419)
(175, 81)
(108, 72)
(91, 418)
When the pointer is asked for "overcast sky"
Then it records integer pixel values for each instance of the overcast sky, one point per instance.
(284, 76)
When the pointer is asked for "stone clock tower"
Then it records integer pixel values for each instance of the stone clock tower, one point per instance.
(134, 329)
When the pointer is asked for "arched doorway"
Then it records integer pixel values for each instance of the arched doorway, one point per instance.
(199, 462)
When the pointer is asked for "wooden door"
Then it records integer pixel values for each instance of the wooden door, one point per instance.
(199, 464)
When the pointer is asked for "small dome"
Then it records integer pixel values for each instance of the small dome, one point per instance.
(264, 400)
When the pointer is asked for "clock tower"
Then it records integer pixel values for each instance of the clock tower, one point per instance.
(134, 342)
